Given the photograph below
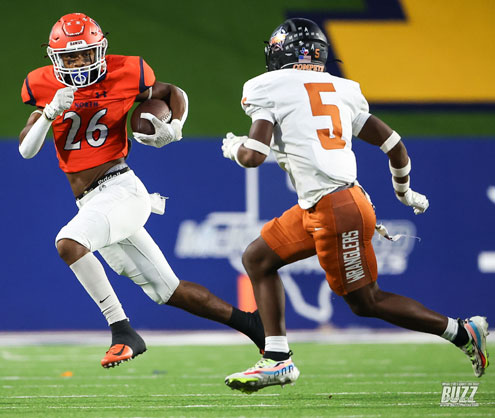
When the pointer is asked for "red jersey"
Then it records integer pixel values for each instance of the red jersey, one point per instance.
(94, 130)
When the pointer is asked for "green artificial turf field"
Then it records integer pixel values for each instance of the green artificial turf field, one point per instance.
(358, 380)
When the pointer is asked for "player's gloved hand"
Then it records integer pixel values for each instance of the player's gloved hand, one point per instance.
(417, 201)
(165, 133)
(61, 101)
(231, 145)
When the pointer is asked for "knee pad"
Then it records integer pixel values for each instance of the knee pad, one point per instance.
(152, 273)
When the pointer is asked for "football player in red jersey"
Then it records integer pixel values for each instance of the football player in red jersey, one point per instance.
(84, 96)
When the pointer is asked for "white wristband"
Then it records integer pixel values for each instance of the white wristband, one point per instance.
(400, 172)
(401, 187)
(33, 141)
(235, 151)
(390, 142)
(257, 146)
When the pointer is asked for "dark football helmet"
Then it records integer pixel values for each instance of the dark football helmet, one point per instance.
(294, 43)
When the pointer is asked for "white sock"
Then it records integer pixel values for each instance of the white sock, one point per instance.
(91, 274)
(278, 344)
(451, 331)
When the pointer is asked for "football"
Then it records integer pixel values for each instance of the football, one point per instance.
(154, 106)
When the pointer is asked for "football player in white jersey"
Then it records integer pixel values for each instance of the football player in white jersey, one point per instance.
(307, 118)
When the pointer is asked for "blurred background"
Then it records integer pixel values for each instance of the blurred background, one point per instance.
(426, 69)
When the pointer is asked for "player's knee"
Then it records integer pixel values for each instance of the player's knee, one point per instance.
(362, 310)
(157, 289)
(364, 307)
(192, 292)
(154, 296)
(259, 259)
(365, 301)
(70, 251)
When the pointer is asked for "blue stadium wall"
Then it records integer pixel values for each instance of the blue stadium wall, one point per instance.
(216, 208)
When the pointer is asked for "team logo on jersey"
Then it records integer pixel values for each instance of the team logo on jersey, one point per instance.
(277, 40)
(304, 55)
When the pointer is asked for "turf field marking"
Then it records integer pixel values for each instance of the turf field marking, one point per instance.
(68, 386)
(151, 406)
(377, 393)
(251, 405)
(219, 395)
(214, 394)
(10, 356)
(380, 375)
(14, 407)
(400, 382)
(264, 405)
(63, 396)
(133, 377)
(183, 395)
(388, 393)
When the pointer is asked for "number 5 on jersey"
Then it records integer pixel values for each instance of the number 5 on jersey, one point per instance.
(333, 140)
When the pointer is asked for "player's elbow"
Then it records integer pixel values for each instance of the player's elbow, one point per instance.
(25, 153)
(250, 158)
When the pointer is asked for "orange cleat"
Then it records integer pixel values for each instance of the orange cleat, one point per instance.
(118, 353)
(126, 344)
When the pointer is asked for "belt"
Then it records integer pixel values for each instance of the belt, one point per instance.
(102, 180)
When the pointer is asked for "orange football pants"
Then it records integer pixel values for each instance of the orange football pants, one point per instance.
(339, 229)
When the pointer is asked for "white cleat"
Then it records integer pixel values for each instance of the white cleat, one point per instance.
(475, 349)
(265, 372)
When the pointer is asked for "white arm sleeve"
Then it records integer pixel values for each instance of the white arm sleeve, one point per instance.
(35, 138)
(186, 111)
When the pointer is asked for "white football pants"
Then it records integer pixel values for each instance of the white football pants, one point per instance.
(111, 220)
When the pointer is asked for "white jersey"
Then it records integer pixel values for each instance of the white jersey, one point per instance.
(315, 115)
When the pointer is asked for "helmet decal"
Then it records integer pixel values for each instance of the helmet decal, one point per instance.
(73, 27)
(277, 40)
(304, 57)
